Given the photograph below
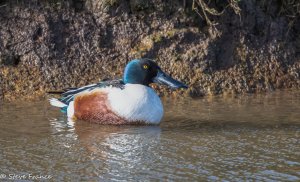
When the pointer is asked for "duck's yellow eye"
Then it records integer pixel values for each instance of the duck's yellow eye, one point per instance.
(145, 66)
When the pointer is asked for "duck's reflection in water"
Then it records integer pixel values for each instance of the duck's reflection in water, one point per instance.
(106, 151)
(116, 150)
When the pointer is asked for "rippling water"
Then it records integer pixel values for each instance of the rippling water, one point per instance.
(255, 137)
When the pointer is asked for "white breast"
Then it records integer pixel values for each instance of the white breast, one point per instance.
(136, 103)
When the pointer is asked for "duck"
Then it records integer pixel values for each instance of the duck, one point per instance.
(129, 100)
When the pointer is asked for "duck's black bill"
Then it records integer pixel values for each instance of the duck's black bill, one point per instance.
(165, 79)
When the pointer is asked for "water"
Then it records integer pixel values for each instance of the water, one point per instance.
(255, 137)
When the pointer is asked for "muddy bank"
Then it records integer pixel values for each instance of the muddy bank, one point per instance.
(57, 44)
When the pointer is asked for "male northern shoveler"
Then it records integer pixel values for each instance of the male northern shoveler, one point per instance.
(125, 101)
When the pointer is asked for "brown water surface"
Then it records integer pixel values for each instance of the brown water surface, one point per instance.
(254, 137)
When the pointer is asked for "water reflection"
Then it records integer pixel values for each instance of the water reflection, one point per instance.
(127, 140)
(233, 138)
(115, 150)
(272, 108)
(120, 151)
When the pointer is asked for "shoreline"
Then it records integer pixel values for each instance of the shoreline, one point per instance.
(46, 46)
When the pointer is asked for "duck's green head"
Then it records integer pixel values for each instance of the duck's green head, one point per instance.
(146, 71)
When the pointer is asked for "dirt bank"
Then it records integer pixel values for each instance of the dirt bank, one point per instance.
(49, 45)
